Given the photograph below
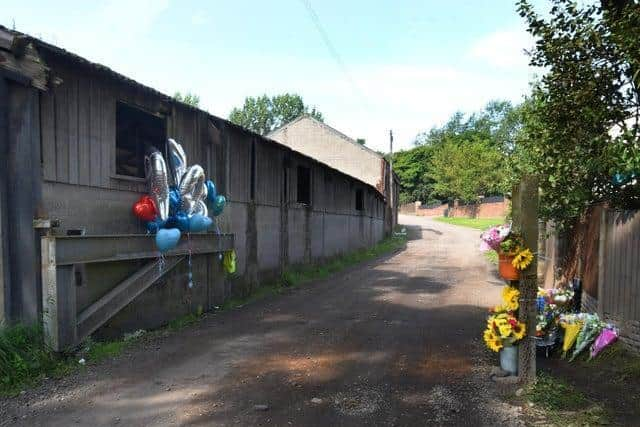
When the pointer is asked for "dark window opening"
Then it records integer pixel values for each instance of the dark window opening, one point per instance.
(252, 183)
(359, 200)
(136, 132)
(304, 185)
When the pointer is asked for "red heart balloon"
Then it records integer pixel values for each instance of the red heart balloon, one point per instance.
(145, 209)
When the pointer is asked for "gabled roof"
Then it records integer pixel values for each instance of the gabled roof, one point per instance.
(326, 127)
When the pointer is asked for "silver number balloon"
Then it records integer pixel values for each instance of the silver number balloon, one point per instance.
(192, 185)
(156, 175)
(177, 160)
(201, 208)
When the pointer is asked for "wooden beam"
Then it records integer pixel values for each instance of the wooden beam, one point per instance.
(98, 313)
(58, 299)
(123, 247)
(4, 243)
(525, 220)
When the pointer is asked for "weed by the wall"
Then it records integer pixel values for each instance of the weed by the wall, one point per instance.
(24, 358)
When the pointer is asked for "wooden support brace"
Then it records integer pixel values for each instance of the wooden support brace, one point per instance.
(98, 313)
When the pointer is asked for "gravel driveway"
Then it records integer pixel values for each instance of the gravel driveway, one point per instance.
(394, 341)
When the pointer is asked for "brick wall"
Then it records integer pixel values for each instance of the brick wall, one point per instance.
(496, 209)
(480, 210)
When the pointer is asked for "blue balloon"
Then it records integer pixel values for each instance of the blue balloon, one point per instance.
(619, 179)
(174, 199)
(155, 225)
(211, 190)
(167, 238)
(181, 221)
(199, 222)
(218, 205)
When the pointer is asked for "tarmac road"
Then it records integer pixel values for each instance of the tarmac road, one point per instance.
(395, 341)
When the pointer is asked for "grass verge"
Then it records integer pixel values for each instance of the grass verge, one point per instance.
(477, 223)
(561, 404)
(25, 361)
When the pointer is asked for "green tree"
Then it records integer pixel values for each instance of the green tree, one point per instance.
(467, 169)
(497, 125)
(188, 98)
(580, 133)
(263, 114)
(412, 166)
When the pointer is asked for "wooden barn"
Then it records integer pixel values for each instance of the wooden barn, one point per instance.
(72, 138)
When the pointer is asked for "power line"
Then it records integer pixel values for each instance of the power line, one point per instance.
(334, 52)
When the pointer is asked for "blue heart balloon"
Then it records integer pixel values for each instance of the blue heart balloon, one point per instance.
(199, 223)
(211, 190)
(218, 205)
(167, 238)
(181, 221)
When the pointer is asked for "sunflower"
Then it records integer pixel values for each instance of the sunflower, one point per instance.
(492, 341)
(505, 329)
(495, 344)
(522, 259)
(510, 297)
(519, 330)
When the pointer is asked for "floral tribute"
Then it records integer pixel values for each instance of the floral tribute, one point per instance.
(503, 328)
(503, 239)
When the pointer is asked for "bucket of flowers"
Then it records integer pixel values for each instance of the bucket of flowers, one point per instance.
(504, 330)
(513, 255)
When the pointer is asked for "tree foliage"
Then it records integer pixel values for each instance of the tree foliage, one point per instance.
(463, 159)
(580, 133)
(263, 114)
(188, 98)
(467, 169)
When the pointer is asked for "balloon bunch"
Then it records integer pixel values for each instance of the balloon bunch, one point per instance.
(183, 207)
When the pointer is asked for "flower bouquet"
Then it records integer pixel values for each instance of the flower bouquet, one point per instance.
(513, 255)
(504, 330)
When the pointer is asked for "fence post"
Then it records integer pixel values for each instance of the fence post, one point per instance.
(525, 219)
(58, 299)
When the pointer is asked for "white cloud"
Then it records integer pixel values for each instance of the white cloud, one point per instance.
(503, 49)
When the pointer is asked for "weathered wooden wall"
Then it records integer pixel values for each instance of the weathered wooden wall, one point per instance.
(75, 127)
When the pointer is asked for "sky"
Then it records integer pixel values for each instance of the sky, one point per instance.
(403, 65)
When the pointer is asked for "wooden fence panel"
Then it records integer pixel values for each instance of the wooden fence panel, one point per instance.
(621, 276)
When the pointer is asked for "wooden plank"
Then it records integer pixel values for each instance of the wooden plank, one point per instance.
(602, 260)
(58, 299)
(95, 132)
(122, 247)
(98, 313)
(633, 271)
(49, 292)
(62, 134)
(84, 120)
(108, 135)
(48, 124)
(627, 267)
(636, 268)
(4, 237)
(72, 117)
